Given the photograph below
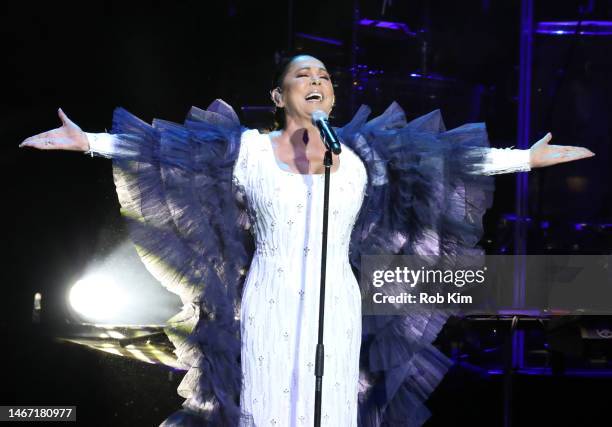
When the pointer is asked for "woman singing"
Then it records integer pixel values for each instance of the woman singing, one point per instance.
(230, 220)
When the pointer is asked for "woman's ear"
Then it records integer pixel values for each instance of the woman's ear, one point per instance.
(277, 97)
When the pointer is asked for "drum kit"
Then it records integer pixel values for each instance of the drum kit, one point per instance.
(399, 68)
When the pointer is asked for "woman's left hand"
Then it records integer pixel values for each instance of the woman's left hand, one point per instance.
(541, 154)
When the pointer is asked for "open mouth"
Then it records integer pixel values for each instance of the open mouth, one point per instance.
(314, 97)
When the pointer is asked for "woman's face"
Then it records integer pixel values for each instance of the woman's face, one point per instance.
(306, 88)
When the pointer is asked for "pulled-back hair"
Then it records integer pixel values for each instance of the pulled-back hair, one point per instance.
(279, 75)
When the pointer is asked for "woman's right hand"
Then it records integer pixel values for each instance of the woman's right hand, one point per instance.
(67, 137)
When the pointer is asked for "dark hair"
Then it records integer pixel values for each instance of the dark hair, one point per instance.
(282, 65)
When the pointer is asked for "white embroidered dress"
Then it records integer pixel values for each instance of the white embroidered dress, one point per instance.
(280, 302)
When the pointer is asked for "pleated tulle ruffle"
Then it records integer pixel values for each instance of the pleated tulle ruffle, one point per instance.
(174, 184)
(424, 197)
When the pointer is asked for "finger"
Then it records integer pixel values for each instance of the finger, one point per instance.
(64, 118)
(568, 149)
(561, 147)
(39, 143)
(546, 139)
(581, 150)
(36, 138)
(575, 155)
(571, 151)
(46, 143)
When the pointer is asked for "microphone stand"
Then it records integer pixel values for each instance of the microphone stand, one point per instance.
(320, 354)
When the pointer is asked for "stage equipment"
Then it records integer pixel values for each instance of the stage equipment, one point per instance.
(418, 94)
(554, 343)
(387, 29)
(331, 142)
(97, 297)
(570, 28)
(552, 236)
(570, 93)
(146, 343)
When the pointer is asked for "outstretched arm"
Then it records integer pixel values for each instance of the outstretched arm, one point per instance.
(541, 154)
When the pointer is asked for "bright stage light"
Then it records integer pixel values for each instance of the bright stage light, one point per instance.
(119, 290)
(97, 297)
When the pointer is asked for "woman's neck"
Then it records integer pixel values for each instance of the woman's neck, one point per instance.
(301, 132)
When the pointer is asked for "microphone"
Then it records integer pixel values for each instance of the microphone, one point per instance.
(319, 119)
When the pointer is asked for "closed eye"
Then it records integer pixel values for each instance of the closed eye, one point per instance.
(306, 75)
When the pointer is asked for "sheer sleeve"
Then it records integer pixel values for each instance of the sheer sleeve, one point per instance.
(503, 160)
(101, 144)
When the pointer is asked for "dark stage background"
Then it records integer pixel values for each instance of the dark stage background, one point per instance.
(158, 58)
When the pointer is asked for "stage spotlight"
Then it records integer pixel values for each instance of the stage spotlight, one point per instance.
(119, 290)
(37, 308)
(97, 297)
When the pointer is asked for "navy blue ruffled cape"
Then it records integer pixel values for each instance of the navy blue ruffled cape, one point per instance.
(176, 191)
